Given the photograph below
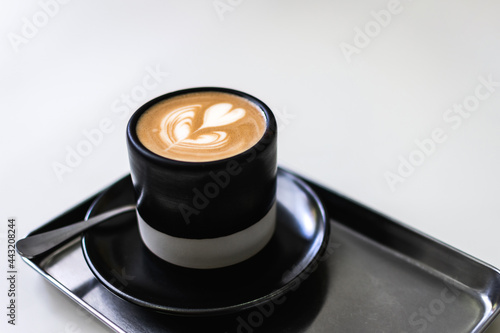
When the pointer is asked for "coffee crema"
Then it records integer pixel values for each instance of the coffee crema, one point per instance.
(201, 126)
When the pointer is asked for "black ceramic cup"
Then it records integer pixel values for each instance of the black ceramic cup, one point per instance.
(205, 214)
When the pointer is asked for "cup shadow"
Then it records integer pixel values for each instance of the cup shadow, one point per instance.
(291, 312)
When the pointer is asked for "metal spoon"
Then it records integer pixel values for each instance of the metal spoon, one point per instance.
(35, 245)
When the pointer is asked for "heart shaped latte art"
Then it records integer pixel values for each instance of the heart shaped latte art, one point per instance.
(177, 128)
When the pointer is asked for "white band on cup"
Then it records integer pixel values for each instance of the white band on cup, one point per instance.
(210, 252)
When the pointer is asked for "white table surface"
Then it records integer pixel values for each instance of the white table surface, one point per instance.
(345, 117)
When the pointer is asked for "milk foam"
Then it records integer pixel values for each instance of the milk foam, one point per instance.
(204, 126)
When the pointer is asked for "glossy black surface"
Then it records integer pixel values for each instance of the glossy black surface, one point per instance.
(116, 255)
(375, 276)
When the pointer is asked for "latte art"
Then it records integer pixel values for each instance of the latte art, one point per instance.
(200, 127)
(176, 128)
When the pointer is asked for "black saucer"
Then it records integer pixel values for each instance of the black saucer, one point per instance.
(120, 261)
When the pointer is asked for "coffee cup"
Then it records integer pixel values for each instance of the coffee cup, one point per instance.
(203, 164)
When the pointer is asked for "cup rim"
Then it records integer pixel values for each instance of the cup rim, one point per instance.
(133, 139)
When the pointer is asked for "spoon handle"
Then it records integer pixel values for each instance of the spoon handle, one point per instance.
(35, 245)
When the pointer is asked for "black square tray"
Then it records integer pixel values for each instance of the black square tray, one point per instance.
(379, 276)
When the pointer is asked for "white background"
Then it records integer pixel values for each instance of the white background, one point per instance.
(344, 121)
